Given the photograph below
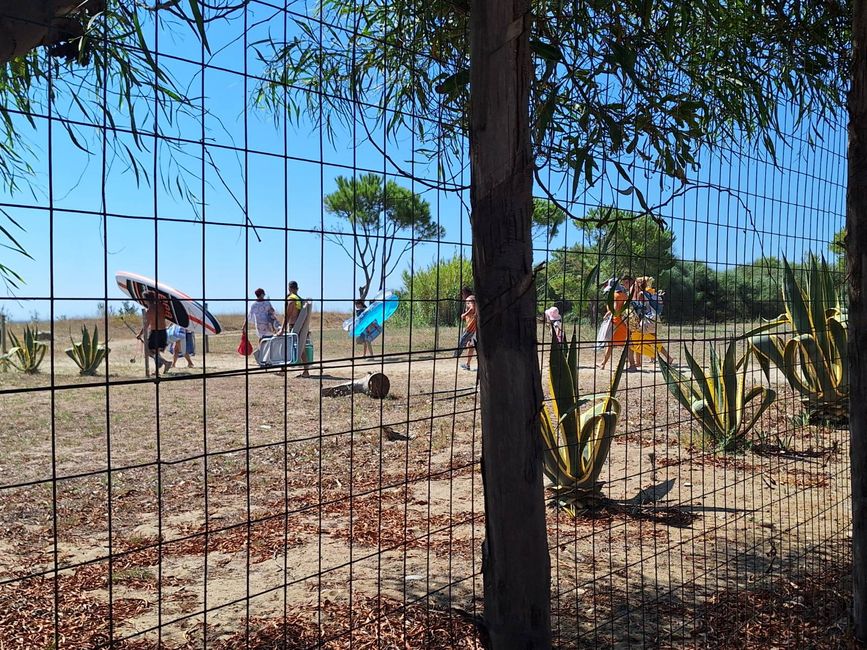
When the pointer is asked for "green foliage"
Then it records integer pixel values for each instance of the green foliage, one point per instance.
(435, 293)
(105, 48)
(563, 278)
(838, 248)
(576, 441)
(10, 277)
(629, 243)
(751, 291)
(88, 354)
(376, 211)
(26, 353)
(693, 293)
(547, 219)
(811, 351)
(674, 94)
(717, 397)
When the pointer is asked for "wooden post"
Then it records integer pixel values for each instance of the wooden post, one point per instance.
(436, 345)
(144, 342)
(515, 561)
(374, 385)
(856, 253)
(205, 334)
(3, 345)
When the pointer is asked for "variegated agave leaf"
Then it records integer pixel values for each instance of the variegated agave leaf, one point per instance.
(811, 351)
(717, 396)
(576, 443)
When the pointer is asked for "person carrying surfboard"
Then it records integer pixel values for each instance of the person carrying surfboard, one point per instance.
(294, 305)
(156, 323)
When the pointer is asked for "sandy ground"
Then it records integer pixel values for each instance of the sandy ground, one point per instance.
(233, 495)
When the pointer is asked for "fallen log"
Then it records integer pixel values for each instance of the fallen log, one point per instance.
(375, 385)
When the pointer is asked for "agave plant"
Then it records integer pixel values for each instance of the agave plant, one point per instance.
(718, 396)
(811, 354)
(576, 442)
(27, 353)
(88, 354)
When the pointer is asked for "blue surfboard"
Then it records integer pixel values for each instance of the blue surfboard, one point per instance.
(368, 324)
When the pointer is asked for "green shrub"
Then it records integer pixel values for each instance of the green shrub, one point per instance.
(432, 296)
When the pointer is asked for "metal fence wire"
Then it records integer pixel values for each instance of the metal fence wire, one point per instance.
(329, 494)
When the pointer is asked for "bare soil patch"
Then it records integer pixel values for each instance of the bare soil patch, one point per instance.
(236, 501)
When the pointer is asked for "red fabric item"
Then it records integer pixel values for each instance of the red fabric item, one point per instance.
(245, 348)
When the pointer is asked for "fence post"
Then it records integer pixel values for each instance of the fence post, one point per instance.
(144, 342)
(436, 345)
(856, 245)
(3, 346)
(205, 333)
(515, 561)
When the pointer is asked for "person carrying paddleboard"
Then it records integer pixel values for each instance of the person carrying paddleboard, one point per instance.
(156, 323)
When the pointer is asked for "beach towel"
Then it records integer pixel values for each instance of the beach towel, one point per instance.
(606, 329)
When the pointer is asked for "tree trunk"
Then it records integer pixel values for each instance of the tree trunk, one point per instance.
(856, 244)
(374, 385)
(516, 565)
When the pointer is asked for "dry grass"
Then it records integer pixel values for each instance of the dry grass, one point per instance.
(240, 492)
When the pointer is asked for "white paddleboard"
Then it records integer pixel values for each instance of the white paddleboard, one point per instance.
(181, 309)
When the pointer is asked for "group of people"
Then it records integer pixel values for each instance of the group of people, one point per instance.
(267, 324)
(632, 322)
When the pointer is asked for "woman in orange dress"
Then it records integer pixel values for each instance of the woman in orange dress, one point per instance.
(619, 328)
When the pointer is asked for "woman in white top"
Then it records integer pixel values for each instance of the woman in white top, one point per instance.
(263, 316)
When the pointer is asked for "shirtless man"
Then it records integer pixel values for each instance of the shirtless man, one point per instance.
(156, 321)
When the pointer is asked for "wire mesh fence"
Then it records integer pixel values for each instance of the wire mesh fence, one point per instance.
(297, 462)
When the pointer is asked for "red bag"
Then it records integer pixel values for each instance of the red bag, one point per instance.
(245, 348)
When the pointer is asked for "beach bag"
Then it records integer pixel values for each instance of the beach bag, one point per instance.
(245, 348)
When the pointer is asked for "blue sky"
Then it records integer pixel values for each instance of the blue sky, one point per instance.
(788, 209)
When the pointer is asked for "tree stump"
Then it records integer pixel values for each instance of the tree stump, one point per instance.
(374, 385)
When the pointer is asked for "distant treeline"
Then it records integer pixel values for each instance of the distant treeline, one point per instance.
(694, 292)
